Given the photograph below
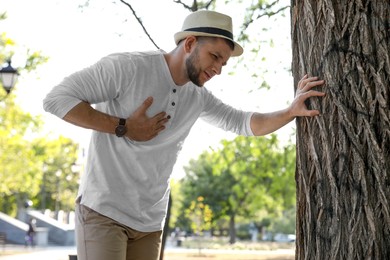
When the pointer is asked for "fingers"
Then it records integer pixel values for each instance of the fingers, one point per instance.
(304, 92)
(313, 93)
(149, 128)
(307, 95)
(141, 127)
(155, 123)
(141, 110)
(312, 113)
(306, 83)
(302, 79)
(158, 122)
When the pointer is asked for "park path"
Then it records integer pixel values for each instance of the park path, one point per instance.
(11, 252)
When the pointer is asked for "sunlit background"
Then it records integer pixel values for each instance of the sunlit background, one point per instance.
(74, 36)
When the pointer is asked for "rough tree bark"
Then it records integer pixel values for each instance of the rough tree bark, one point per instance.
(343, 156)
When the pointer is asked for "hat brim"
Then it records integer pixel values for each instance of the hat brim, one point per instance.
(238, 50)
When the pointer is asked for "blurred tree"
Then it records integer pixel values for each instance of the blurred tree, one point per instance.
(200, 216)
(246, 175)
(59, 182)
(27, 159)
(7, 51)
(17, 161)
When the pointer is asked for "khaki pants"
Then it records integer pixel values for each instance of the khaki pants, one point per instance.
(101, 238)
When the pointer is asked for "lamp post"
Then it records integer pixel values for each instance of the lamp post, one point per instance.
(8, 77)
(43, 187)
(57, 205)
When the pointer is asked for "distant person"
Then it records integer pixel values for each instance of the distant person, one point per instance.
(141, 106)
(30, 234)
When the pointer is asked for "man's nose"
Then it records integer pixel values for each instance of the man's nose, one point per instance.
(217, 69)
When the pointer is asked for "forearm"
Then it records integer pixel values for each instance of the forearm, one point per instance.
(84, 115)
(266, 123)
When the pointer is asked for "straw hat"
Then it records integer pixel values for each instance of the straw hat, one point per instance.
(208, 23)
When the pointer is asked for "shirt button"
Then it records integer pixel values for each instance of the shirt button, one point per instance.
(173, 103)
(169, 117)
(174, 90)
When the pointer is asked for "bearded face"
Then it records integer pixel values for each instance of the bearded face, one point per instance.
(193, 71)
(207, 59)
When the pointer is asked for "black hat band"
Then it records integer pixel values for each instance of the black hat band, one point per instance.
(211, 30)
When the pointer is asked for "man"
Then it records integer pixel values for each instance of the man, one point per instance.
(30, 234)
(145, 106)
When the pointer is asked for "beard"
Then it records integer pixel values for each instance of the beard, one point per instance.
(192, 71)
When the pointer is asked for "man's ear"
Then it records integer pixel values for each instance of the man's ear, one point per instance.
(189, 43)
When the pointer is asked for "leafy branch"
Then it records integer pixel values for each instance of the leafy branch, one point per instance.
(195, 5)
(257, 11)
(140, 22)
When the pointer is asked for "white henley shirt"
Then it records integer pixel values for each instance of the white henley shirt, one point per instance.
(125, 180)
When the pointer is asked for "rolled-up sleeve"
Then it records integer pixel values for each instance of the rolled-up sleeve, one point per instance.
(226, 117)
(60, 100)
(93, 84)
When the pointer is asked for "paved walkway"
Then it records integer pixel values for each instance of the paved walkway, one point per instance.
(14, 252)
(17, 252)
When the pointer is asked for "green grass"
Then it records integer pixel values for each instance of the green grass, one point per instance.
(223, 243)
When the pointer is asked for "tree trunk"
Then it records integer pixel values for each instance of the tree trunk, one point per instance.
(232, 229)
(166, 228)
(343, 155)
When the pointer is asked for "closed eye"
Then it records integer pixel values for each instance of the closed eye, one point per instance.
(218, 57)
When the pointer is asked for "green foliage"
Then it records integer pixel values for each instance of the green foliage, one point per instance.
(8, 47)
(196, 5)
(17, 166)
(28, 164)
(28, 160)
(34, 59)
(245, 178)
(176, 215)
(285, 223)
(258, 9)
(59, 182)
(257, 23)
(3, 16)
(200, 215)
